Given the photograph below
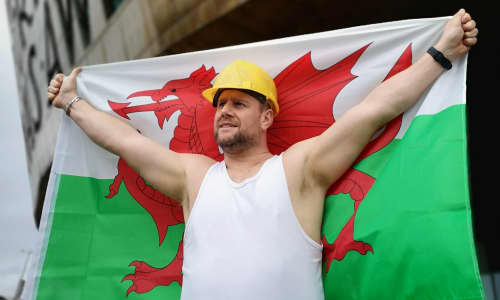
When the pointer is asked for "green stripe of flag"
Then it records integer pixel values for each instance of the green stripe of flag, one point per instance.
(416, 217)
(93, 240)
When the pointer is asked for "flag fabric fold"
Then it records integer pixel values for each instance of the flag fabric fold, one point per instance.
(397, 225)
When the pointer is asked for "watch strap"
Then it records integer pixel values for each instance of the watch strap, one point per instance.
(439, 57)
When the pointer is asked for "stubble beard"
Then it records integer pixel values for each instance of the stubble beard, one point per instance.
(237, 143)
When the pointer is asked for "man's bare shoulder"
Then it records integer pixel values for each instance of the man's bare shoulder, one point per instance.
(196, 163)
(296, 155)
(295, 161)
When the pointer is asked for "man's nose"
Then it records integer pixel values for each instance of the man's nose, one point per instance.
(226, 109)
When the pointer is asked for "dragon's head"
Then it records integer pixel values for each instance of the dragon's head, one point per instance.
(188, 90)
(174, 95)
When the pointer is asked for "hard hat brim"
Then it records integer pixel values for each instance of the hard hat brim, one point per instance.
(210, 94)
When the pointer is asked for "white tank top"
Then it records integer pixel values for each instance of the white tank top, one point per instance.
(243, 241)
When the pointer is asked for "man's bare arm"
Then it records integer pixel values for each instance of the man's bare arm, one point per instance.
(328, 156)
(164, 169)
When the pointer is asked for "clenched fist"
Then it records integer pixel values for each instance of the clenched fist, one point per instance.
(62, 89)
(459, 35)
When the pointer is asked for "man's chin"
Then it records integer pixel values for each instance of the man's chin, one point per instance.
(225, 142)
(228, 140)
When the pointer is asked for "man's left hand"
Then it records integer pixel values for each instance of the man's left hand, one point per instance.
(459, 35)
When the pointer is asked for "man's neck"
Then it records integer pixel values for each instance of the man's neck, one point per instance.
(242, 159)
(245, 164)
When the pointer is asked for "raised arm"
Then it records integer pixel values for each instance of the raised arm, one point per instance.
(329, 155)
(166, 170)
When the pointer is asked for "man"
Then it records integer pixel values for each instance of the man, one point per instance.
(253, 221)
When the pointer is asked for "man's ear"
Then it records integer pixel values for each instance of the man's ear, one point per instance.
(267, 118)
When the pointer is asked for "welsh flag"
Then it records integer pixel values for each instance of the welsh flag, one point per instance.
(396, 226)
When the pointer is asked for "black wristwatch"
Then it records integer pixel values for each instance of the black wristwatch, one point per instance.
(439, 57)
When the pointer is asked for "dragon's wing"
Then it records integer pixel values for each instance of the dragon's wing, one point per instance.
(306, 97)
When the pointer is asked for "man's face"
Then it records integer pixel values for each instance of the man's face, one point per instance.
(237, 123)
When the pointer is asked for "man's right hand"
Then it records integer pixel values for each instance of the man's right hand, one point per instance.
(61, 90)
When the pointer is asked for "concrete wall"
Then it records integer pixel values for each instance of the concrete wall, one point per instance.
(47, 37)
(52, 36)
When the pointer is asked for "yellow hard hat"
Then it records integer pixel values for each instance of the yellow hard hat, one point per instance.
(244, 75)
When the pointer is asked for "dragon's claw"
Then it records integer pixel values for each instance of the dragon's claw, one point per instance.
(146, 277)
(131, 289)
(128, 277)
(115, 186)
(361, 247)
(112, 192)
(142, 281)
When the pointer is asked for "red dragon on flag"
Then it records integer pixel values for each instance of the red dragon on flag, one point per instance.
(306, 97)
